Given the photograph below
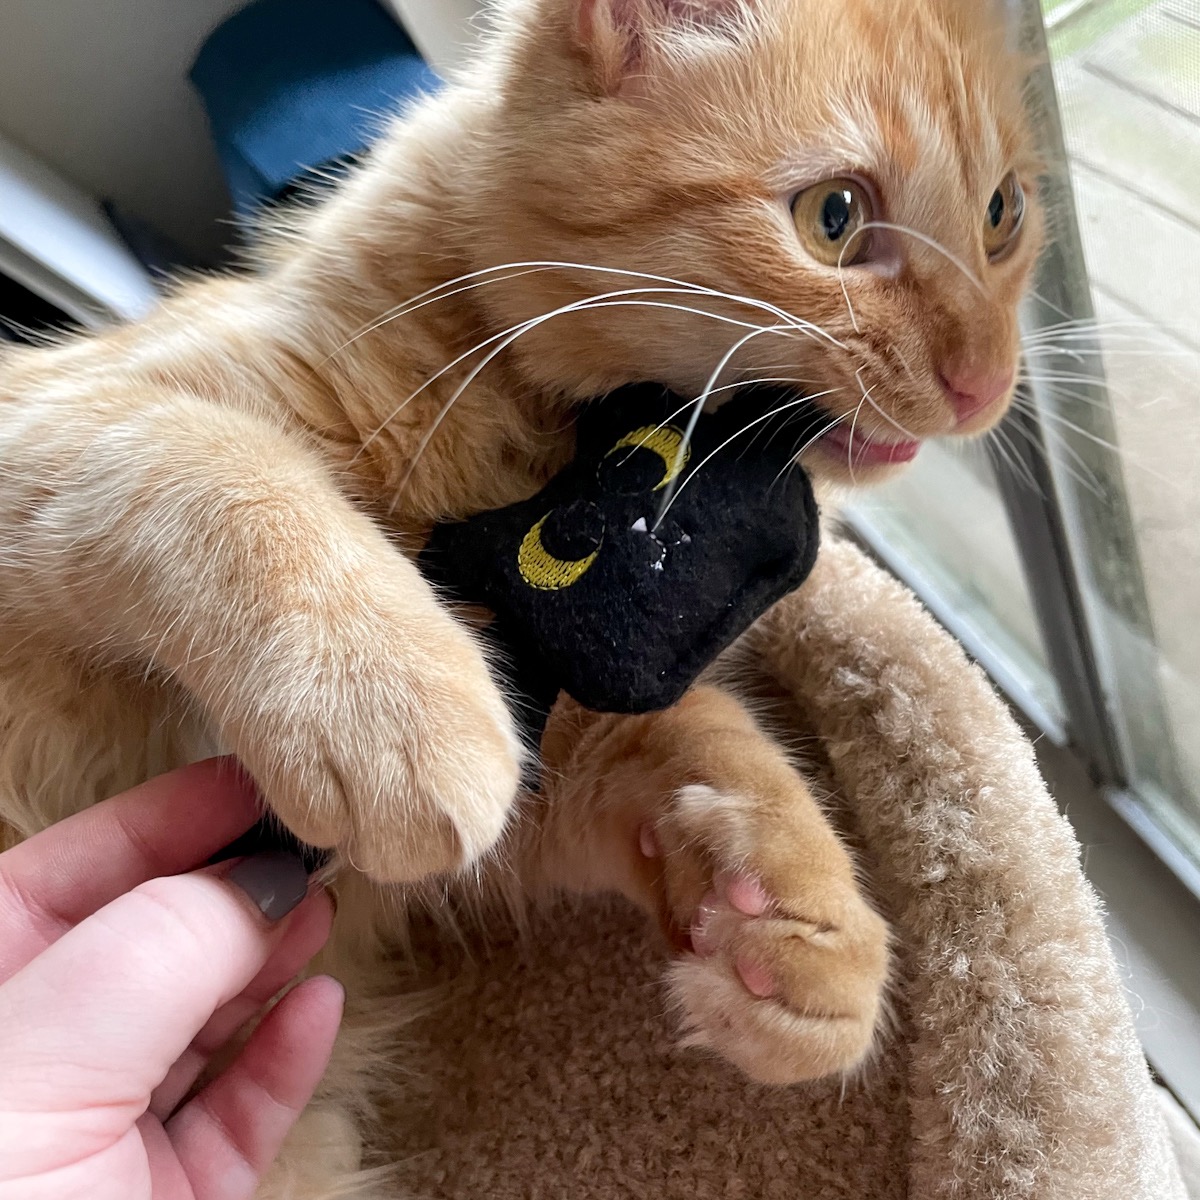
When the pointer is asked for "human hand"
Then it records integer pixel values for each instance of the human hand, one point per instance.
(120, 978)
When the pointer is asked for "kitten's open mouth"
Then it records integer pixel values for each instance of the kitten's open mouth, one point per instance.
(860, 449)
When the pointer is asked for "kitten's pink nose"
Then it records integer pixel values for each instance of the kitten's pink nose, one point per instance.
(972, 389)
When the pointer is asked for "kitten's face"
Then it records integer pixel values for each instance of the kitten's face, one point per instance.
(860, 172)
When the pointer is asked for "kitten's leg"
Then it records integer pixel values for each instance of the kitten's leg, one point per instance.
(213, 548)
(698, 816)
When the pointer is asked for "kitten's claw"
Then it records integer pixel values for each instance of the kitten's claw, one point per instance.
(648, 842)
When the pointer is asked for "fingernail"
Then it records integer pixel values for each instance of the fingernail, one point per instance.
(275, 881)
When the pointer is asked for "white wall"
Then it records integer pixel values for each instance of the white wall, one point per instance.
(99, 89)
(441, 29)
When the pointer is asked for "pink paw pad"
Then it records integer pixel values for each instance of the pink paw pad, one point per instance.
(745, 893)
(756, 977)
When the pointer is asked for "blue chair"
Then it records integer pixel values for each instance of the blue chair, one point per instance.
(295, 89)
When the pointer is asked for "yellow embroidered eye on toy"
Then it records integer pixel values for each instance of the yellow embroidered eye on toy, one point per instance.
(647, 556)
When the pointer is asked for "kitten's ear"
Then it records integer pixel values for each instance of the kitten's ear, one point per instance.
(619, 35)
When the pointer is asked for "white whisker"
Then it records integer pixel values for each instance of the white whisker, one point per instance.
(1085, 476)
(1042, 413)
(1053, 381)
(504, 340)
(745, 429)
(514, 270)
(904, 363)
(925, 239)
(850, 440)
(729, 387)
(866, 393)
(1107, 350)
(999, 440)
(845, 290)
(816, 437)
(607, 299)
(506, 336)
(1092, 333)
(1062, 312)
(697, 409)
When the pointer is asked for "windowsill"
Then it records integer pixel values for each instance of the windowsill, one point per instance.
(1153, 923)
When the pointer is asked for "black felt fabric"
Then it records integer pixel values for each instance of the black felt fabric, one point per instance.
(655, 605)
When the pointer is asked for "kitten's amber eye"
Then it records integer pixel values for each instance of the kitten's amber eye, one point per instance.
(829, 218)
(1002, 223)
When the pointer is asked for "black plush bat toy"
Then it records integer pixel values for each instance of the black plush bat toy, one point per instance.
(641, 561)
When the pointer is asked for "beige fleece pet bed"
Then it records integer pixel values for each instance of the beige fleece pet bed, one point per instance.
(548, 1070)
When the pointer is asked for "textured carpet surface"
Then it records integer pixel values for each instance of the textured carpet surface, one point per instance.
(554, 1072)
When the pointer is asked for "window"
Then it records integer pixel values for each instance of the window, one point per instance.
(1065, 553)
(1128, 81)
(1092, 486)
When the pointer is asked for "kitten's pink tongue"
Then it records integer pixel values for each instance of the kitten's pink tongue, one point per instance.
(862, 449)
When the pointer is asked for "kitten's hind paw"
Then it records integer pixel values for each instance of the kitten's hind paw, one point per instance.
(786, 969)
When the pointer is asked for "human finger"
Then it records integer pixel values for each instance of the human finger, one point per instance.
(307, 932)
(231, 1132)
(123, 994)
(52, 881)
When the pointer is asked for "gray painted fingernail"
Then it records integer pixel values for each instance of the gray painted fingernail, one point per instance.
(275, 881)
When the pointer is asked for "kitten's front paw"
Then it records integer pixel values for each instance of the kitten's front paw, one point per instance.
(394, 746)
(786, 965)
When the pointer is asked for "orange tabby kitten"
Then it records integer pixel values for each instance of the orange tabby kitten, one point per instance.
(204, 519)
